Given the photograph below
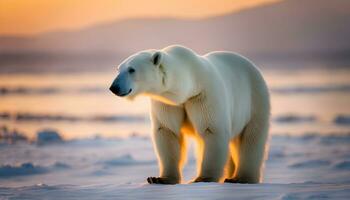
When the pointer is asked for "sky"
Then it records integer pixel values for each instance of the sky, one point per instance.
(30, 17)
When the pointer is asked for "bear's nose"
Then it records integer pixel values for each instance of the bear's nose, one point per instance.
(115, 89)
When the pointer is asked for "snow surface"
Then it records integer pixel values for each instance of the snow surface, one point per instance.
(310, 166)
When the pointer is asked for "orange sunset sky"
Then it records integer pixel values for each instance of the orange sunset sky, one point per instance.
(23, 17)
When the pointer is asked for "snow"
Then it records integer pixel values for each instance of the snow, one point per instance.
(192, 191)
(126, 159)
(310, 166)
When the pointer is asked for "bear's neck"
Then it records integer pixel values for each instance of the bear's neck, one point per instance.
(179, 88)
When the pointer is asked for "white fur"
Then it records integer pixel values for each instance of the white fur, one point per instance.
(220, 98)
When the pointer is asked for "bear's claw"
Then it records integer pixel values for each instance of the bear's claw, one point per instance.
(160, 180)
(234, 180)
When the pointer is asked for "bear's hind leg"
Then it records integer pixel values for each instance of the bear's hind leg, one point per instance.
(249, 154)
(170, 148)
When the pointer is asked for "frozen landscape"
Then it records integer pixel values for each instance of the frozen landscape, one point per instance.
(298, 167)
(64, 135)
(78, 141)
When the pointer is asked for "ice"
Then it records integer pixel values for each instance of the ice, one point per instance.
(311, 89)
(294, 119)
(11, 136)
(335, 138)
(48, 136)
(28, 168)
(21, 170)
(342, 120)
(310, 164)
(59, 165)
(6, 91)
(49, 117)
(27, 91)
(298, 167)
(305, 89)
(198, 191)
(344, 165)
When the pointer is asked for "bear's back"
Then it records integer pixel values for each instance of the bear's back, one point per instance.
(243, 80)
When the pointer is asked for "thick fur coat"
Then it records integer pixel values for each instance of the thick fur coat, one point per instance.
(220, 99)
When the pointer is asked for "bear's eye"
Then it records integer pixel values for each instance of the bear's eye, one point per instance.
(131, 70)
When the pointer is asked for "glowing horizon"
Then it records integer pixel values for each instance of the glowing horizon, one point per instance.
(28, 17)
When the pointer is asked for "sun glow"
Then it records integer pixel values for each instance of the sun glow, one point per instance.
(37, 16)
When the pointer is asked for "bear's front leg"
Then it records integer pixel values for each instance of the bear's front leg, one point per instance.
(169, 147)
(213, 152)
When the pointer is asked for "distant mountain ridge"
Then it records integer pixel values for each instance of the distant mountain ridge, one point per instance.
(290, 29)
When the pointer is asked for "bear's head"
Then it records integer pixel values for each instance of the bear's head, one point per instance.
(141, 73)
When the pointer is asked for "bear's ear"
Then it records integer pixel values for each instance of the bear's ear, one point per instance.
(156, 58)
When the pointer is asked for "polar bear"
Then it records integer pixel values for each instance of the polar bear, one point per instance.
(220, 98)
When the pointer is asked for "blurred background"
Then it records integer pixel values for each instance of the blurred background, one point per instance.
(58, 58)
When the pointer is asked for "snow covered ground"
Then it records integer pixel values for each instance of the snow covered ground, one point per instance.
(309, 147)
(310, 166)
